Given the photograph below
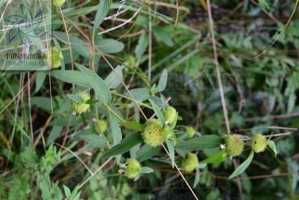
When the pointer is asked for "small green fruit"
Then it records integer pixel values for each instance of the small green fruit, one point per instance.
(234, 145)
(101, 126)
(153, 133)
(81, 107)
(133, 168)
(171, 115)
(190, 131)
(258, 143)
(167, 132)
(54, 58)
(190, 163)
(58, 2)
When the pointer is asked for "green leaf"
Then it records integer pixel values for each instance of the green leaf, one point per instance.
(197, 178)
(102, 12)
(124, 146)
(96, 83)
(170, 147)
(140, 94)
(114, 79)
(201, 143)
(272, 145)
(146, 170)
(219, 157)
(91, 138)
(162, 36)
(142, 45)
(110, 46)
(71, 76)
(133, 125)
(157, 111)
(147, 152)
(40, 78)
(76, 98)
(243, 166)
(163, 81)
(115, 130)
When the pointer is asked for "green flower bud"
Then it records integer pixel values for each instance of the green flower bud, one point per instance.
(171, 115)
(190, 131)
(167, 132)
(258, 143)
(133, 168)
(81, 107)
(234, 145)
(58, 2)
(54, 58)
(190, 163)
(152, 133)
(101, 126)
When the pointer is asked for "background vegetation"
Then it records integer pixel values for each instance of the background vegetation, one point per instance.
(135, 58)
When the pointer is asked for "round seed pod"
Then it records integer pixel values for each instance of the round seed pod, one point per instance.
(258, 143)
(133, 168)
(190, 131)
(234, 145)
(190, 163)
(153, 133)
(54, 58)
(167, 132)
(81, 107)
(171, 115)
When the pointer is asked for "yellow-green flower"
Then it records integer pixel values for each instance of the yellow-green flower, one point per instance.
(171, 115)
(54, 58)
(133, 168)
(81, 107)
(58, 2)
(190, 163)
(190, 131)
(153, 133)
(167, 132)
(234, 145)
(258, 143)
(101, 126)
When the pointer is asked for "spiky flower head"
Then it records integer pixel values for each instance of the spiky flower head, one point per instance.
(258, 143)
(81, 107)
(190, 163)
(190, 131)
(171, 115)
(54, 58)
(234, 145)
(133, 168)
(167, 132)
(101, 126)
(153, 133)
(58, 2)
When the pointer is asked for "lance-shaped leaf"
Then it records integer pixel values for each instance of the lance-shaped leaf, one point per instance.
(243, 166)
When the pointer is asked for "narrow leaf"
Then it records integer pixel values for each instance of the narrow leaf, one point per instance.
(147, 152)
(102, 12)
(158, 112)
(146, 170)
(163, 81)
(70, 76)
(219, 157)
(142, 45)
(272, 145)
(133, 125)
(170, 147)
(201, 143)
(243, 166)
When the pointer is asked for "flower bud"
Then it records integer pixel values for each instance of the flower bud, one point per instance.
(153, 133)
(234, 145)
(81, 107)
(101, 126)
(258, 143)
(167, 132)
(133, 168)
(54, 58)
(190, 163)
(190, 131)
(171, 115)
(58, 2)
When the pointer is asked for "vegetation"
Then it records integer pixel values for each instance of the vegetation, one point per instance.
(157, 100)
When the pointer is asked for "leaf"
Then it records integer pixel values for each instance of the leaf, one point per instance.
(110, 46)
(76, 98)
(133, 125)
(124, 146)
(96, 83)
(71, 76)
(197, 178)
(147, 152)
(114, 79)
(40, 78)
(102, 12)
(142, 45)
(146, 170)
(140, 94)
(170, 147)
(12, 34)
(26, 12)
(158, 112)
(162, 36)
(115, 130)
(201, 143)
(163, 81)
(272, 145)
(243, 166)
(219, 157)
